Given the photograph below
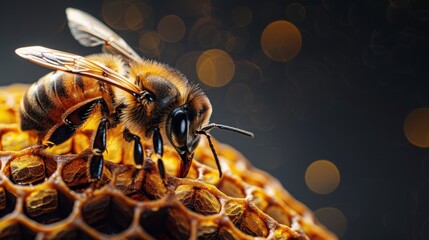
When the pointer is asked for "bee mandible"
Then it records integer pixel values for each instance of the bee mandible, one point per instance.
(146, 100)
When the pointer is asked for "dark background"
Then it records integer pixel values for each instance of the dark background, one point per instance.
(363, 67)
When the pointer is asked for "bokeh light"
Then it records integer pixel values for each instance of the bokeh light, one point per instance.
(171, 28)
(281, 41)
(125, 15)
(416, 127)
(215, 68)
(333, 219)
(239, 97)
(151, 44)
(241, 16)
(322, 176)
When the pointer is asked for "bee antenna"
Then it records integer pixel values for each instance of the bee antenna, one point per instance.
(213, 150)
(210, 126)
(204, 131)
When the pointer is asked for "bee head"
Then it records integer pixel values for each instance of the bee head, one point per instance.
(184, 122)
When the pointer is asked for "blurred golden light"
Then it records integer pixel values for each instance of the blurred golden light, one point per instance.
(239, 97)
(296, 12)
(151, 44)
(241, 16)
(281, 41)
(133, 17)
(333, 219)
(125, 15)
(322, 176)
(215, 68)
(171, 28)
(416, 127)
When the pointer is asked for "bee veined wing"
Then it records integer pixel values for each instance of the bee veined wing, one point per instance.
(91, 32)
(72, 63)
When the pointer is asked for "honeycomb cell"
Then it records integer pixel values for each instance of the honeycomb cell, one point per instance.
(130, 183)
(278, 214)
(7, 201)
(7, 116)
(41, 202)
(198, 200)
(48, 205)
(11, 229)
(231, 188)
(207, 230)
(252, 224)
(15, 141)
(74, 173)
(69, 233)
(166, 223)
(152, 183)
(108, 214)
(234, 211)
(259, 199)
(28, 169)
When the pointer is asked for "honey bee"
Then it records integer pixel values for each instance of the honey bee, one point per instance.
(146, 100)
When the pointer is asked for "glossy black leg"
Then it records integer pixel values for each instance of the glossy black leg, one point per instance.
(98, 147)
(99, 144)
(159, 150)
(96, 166)
(138, 148)
(73, 121)
(60, 135)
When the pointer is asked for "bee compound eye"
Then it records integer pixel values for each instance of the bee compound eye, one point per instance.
(179, 128)
(150, 97)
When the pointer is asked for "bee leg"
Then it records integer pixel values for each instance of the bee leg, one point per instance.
(138, 148)
(73, 121)
(98, 147)
(60, 135)
(159, 150)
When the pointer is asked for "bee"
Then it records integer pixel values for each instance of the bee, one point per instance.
(145, 100)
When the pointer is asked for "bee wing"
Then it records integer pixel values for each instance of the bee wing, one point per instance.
(76, 64)
(90, 32)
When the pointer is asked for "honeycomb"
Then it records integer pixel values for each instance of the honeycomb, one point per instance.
(46, 194)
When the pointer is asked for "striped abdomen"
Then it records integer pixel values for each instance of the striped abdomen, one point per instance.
(48, 101)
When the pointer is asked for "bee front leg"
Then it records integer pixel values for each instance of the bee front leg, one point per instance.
(138, 148)
(159, 150)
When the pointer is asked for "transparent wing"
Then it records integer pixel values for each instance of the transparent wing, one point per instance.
(91, 32)
(72, 63)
